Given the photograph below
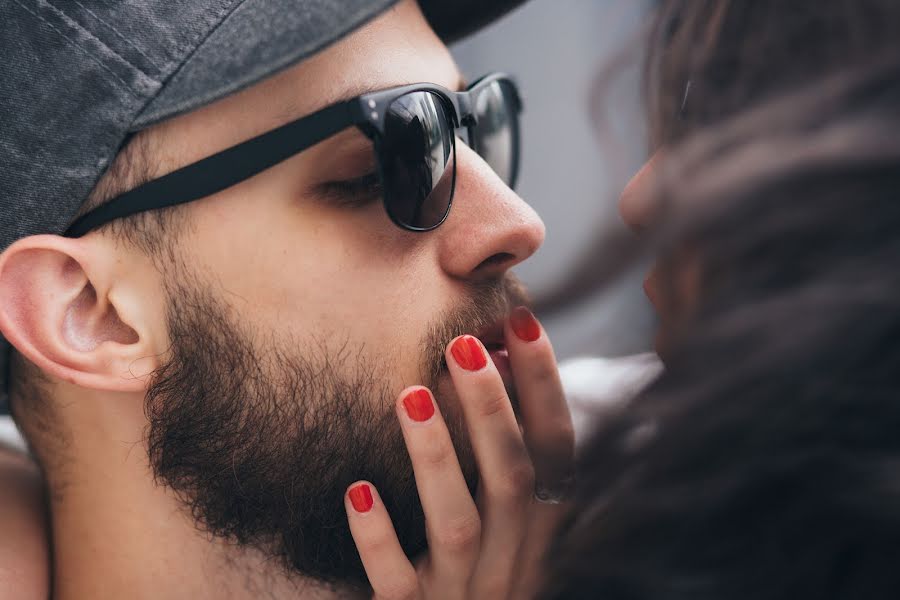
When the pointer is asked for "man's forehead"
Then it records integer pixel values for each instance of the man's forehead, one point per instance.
(398, 48)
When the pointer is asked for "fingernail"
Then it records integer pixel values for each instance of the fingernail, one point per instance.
(361, 498)
(524, 325)
(468, 354)
(418, 405)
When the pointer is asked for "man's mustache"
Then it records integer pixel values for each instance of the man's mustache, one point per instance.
(488, 304)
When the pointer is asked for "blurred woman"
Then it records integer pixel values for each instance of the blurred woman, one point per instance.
(709, 60)
(763, 462)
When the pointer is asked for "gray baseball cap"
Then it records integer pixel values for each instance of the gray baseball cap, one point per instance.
(77, 76)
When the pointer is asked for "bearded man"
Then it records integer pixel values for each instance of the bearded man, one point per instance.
(232, 233)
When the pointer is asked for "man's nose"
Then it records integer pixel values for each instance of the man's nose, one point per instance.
(636, 202)
(490, 228)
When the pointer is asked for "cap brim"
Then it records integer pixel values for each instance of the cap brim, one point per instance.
(261, 37)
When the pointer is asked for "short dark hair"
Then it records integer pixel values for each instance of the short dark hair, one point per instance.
(138, 161)
(764, 462)
(154, 232)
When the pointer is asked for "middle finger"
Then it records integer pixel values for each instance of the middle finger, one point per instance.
(506, 479)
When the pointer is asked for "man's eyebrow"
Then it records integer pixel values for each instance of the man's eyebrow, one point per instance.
(360, 90)
(292, 112)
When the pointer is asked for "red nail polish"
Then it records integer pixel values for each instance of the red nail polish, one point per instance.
(524, 325)
(361, 498)
(468, 354)
(418, 405)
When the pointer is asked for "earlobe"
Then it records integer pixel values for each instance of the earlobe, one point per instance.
(63, 307)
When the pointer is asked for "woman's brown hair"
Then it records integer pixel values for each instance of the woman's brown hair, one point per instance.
(763, 464)
(709, 59)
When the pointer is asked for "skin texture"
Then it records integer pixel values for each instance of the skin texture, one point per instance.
(637, 211)
(672, 300)
(93, 314)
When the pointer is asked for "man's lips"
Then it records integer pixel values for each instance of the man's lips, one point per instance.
(492, 337)
(494, 341)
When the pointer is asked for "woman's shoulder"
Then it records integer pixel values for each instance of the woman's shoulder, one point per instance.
(10, 436)
(596, 385)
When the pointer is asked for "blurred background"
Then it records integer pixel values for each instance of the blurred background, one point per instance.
(578, 67)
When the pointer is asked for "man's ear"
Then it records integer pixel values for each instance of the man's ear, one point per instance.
(66, 306)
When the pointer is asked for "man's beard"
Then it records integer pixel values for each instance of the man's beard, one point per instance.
(261, 440)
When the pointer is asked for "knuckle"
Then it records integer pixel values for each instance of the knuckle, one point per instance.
(436, 451)
(401, 586)
(491, 405)
(551, 442)
(565, 433)
(494, 587)
(559, 439)
(459, 535)
(517, 482)
(543, 371)
(376, 544)
(542, 364)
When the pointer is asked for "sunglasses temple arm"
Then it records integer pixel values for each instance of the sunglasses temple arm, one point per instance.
(221, 170)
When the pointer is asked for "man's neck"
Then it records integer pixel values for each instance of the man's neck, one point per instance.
(116, 534)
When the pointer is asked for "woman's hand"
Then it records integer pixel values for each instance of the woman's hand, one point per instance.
(490, 547)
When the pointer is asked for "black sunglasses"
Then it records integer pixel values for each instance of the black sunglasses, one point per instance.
(413, 129)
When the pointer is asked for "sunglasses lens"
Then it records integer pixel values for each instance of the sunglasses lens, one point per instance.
(417, 160)
(496, 137)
